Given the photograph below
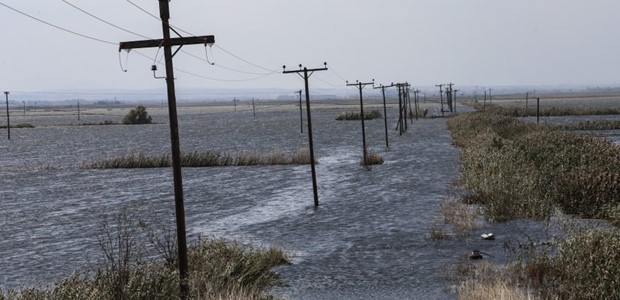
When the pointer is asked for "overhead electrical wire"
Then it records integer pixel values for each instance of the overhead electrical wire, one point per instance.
(216, 45)
(338, 75)
(58, 27)
(104, 21)
(183, 51)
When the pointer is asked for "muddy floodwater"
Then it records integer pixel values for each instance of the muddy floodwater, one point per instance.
(368, 239)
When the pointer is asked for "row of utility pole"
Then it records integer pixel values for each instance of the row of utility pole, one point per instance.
(450, 93)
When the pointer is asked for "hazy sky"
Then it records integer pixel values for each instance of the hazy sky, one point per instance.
(468, 42)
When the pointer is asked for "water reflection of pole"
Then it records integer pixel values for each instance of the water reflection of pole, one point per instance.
(306, 76)
(360, 86)
(8, 123)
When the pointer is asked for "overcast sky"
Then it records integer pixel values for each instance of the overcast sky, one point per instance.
(425, 42)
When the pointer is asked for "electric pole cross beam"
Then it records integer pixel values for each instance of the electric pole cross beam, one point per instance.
(167, 43)
(360, 86)
(305, 73)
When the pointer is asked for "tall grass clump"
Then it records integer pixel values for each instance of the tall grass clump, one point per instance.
(485, 281)
(202, 159)
(218, 269)
(372, 158)
(356, 115)
(583, 265)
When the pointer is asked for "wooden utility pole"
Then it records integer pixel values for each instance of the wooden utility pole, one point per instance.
(455, 91)
(8, 122)
(301, 114)
(24, 102)
(399, 125)
(441, 96)
(305, 73)
(527, 98)
(537, 110)
(360, 86)
(383, 87)
(235, 103)
(449, 96)
(78, 108)
(253, 108)
(167, 43)
(416, 103)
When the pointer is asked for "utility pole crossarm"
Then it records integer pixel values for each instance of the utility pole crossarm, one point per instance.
(193, 40)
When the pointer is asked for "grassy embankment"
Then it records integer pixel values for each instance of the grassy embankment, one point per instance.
(202, 159)
(218, 269)
(522, 170)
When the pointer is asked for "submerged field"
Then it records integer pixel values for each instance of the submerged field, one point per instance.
(377, 234)
(368, 238)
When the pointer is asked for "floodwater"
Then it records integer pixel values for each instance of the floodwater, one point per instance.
(368, 239)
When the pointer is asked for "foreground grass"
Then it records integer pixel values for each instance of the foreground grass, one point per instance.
(202, 159)
(518, 170)
(218, 269)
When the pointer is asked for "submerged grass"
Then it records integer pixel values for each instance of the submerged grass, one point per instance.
(202, 159)
(20, 125)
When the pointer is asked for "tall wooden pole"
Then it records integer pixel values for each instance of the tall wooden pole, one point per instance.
(301, 115)
(8, 122)
(383, 87)
(360, 86)
(176, 152)
(306, 76)
(167, 43)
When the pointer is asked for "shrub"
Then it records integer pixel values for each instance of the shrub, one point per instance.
(355, 115)
(137, 116)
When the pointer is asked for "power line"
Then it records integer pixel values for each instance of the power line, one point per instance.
(104, 21)
(332, 69)
(204, 60)
(244, 60)
(202, 76)
(56, 26)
